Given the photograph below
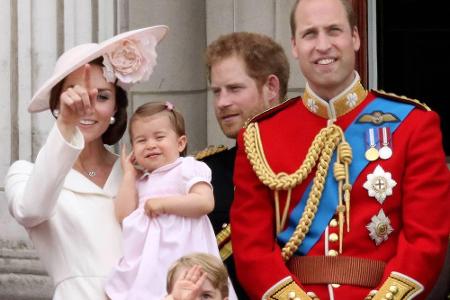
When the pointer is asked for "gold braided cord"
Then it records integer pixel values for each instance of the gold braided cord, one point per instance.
(281, 181)
(277, 212)
(320, 152)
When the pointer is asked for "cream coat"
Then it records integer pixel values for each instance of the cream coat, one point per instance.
(70, 220)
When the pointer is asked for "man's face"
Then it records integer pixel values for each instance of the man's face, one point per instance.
(236, 95)
(325, 45)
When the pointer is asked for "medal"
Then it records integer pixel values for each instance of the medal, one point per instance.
(379, 228)
(371, 153)
(379, 184)
(384, 134)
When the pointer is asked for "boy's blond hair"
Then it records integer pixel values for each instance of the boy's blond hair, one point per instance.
(213, 266)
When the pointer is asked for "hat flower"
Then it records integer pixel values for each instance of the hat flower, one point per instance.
(130, 61)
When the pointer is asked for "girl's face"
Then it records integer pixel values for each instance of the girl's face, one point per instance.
(155, 142)
(93, 125)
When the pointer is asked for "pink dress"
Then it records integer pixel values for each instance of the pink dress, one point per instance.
(151, 245)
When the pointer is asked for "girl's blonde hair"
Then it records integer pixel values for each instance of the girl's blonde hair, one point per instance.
(152, 108)
(213, 266)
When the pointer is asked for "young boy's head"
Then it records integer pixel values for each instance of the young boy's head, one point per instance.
(157, 134)
(216, 284)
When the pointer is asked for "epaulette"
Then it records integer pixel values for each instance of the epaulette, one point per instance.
(270, 111)
(224, 242)
(403, 99)
(208, 151)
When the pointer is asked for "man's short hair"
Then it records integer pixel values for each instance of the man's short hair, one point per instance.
(261, 54)
(351, 17)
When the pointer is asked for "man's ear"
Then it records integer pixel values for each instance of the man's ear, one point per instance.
(355, 39)
(182, 141)
(271, 90)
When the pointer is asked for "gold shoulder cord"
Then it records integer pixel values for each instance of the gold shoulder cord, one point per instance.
(320, 153)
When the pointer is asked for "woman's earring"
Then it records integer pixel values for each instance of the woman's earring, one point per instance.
(112, 120)
(56, 113)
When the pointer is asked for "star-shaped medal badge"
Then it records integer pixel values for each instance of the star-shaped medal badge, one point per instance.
(379, 227)
(379, 184)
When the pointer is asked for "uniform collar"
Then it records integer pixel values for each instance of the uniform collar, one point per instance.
(346, 101)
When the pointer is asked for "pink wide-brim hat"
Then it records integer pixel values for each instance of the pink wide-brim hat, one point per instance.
(82, 54)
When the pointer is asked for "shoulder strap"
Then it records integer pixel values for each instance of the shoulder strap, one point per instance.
(208, 151)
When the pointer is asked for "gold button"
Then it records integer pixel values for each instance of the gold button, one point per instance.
(335, 285)
(333, 237)
(291, 295)
(311, 295)
(389, 296)
(333, 223)
(393, 289)
(332, 252)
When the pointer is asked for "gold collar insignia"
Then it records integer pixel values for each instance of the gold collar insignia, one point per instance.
(339, 105)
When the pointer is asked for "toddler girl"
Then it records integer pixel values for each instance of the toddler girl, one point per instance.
(162, 206)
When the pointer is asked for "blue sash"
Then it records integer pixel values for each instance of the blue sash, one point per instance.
(327, 207)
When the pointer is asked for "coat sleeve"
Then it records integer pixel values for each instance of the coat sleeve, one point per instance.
(425, 205)
(33, 190)
(260, 267)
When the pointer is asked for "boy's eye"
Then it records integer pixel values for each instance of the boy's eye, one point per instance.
(205, 296)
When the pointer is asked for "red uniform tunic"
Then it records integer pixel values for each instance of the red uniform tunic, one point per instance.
(417, 209)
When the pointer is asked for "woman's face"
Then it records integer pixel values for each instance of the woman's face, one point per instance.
(94, 124)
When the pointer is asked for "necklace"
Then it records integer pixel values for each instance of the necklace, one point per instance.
(91, 173)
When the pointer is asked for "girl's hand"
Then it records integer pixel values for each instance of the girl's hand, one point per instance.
(127, 162)
(154, 207)
(77, 101)
(188, 286)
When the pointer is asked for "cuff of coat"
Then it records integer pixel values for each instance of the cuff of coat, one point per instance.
(285, 289)
(76, 141)
(399, 287)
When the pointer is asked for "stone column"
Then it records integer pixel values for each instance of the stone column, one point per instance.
(179, 75)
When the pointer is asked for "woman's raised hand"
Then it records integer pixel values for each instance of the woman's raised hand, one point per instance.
(77, 101)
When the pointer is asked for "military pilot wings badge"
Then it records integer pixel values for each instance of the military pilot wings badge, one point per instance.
(378, 118)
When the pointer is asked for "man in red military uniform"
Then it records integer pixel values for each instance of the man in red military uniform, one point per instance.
(342, 193)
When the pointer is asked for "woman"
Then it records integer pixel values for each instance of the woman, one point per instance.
(65, 199)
